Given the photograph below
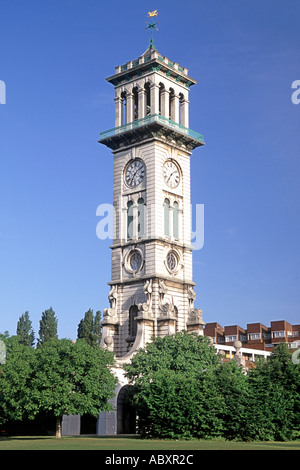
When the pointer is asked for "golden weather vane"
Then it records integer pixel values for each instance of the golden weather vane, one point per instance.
(152, 25)
(152, 13)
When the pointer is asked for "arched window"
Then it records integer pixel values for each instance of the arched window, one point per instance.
(135, 103)
(129, 219)
(141, 217)
(133, 312)
(172, 105)
(161, 104)
(167, 217)
(181, 113)
(148, 103)
(175, 220)
(123, 118)
(176, 316)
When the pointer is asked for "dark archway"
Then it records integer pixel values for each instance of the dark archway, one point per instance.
(88, 424)
(126, 416)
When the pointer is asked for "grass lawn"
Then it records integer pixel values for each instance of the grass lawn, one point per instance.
(131, 443)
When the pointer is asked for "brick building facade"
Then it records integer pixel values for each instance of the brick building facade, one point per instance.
(256, 335)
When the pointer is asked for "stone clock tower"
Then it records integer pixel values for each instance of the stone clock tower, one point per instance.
(151, 287)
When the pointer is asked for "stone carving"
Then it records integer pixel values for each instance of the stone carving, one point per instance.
(146, 307)
(168, 310)
(162, 290)
(191, 298)
(195, 317)
(113, 296)
(108, 340)
(148, 292)
(111, 313)
(238, 357)
(195, 314)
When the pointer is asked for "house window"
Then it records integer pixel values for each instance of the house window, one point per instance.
(266, 335)
(278, 334)
(254, 336)
(230, 338)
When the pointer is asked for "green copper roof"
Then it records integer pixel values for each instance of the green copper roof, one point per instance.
(177, 131)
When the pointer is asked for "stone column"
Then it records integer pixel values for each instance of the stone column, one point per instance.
(175, 109)
(180, 217)
(154, 98)
(171, 220)
(142, 110)
(118, 111)
(165, 103)
(129, 107)
(184, 112)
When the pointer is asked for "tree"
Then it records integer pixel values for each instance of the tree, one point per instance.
(274, 398)
(24, 330)
(89, 328)
(233, 387)
(175, 390)
(16, 381)
(72, 378)
(48, 326)
(97, 328)
(59, 377)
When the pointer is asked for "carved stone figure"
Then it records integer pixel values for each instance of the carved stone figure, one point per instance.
(148, 292)
(191, 298)
(112, 297)
(162, 290)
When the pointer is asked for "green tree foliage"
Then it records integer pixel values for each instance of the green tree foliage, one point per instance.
(24, 330)
(59, 377)
(16, 381)
(233, 388)
(182, 389)
(73, 378)
(89, 328)
(174, 388)
(48, 326)
(274, 398)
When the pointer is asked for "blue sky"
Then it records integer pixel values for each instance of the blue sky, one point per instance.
(55, 56)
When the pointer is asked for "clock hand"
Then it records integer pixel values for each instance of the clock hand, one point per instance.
(171, 175)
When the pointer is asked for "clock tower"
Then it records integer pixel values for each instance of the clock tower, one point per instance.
(151, 287)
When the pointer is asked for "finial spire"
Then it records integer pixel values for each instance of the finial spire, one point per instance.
(151, 26)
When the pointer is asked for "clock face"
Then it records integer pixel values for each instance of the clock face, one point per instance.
(135, 173)
(171, 174)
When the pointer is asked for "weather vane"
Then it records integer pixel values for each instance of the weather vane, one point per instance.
(152, 25)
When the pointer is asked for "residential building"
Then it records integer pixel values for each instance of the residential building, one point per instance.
(255, 336)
